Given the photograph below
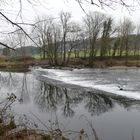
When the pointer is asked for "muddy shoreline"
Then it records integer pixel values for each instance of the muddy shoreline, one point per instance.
(24, 66)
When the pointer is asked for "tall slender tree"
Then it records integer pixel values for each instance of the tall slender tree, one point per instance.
(94, 23)
(105, 38)
(65, 21)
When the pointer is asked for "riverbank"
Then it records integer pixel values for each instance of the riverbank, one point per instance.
(23, 65)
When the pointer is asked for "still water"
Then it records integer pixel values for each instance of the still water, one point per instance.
(109, 99)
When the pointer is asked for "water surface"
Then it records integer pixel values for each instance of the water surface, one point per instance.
(73, 97)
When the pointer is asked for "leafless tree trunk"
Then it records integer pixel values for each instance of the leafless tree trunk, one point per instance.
(93, 22)
(48, 33)
(40, 33)
(105, 39)
(65, 19)
(73, 39)
(127, 29)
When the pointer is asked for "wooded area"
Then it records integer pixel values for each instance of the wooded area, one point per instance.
(61, 39)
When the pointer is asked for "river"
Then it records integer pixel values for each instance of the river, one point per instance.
(73, 99)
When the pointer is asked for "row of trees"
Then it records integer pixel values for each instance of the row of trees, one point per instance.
(61, 38)
(97, 35)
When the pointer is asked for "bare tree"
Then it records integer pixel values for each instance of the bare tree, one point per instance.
(83, 37)
(73, 38)
(56, 43)
(117, 42)
(137, 45)
(126, 29)
(65, 20)
(105, 39)
(48, 34)
(40, 33)
(16, 39)
(53, 43)
(94, 23)
(21, 37)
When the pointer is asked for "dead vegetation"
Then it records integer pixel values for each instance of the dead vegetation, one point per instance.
(10, 130)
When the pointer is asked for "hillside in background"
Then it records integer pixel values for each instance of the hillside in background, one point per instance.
(22, 51)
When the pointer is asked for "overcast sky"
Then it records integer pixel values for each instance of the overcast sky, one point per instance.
(53, 7)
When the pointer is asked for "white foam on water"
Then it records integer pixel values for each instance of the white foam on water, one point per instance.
(81, 79)
(115, 90)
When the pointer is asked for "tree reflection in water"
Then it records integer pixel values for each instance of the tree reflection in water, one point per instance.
(47, 97)
(65, 98)
(2, 80)
(50, 98)
(10, 81)
(15, 83)
(24, 98)
(98, 103)
(67, 111)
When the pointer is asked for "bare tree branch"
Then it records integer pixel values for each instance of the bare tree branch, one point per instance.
(5, 45)
(15, 24)
(129, 5)
(80, 4)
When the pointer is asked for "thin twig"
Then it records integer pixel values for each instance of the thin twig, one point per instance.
(15, 24)
(91, 126)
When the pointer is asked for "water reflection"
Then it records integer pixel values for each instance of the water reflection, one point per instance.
(98, 103)
(10, 81)
(67, 109)
(24, 97)
(7, 80)
(50, 97)
(15, 83)
(47, 97)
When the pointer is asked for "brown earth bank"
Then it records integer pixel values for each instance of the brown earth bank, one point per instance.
(24, 64)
